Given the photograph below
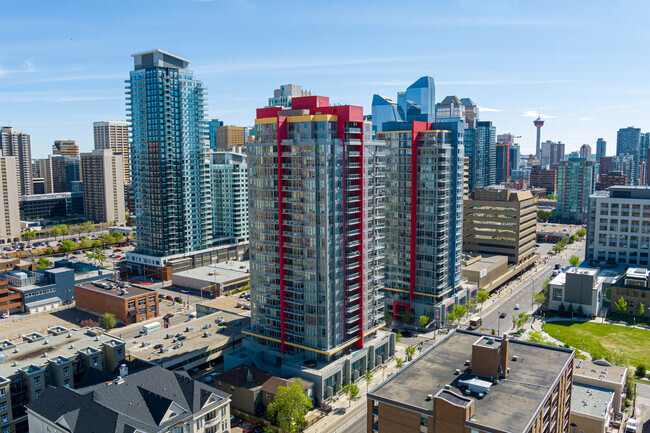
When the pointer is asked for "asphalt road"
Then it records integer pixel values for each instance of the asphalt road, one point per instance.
(643, 407)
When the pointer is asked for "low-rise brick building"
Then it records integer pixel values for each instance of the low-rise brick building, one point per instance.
(129, 304)
(634, 287)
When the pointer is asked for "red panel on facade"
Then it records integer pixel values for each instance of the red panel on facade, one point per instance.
(307, 102)
(263, 113)
(415, 135)
(282, 135)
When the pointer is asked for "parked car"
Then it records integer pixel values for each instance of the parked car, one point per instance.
(118, 250)
(178, 299)
(234, 421)
(256, 428)
(631, 425)
(169, 297)
(406, 333)
(517, 306)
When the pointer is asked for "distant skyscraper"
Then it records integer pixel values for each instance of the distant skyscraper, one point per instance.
(282, 96)
(471, 112)
(480, 146)
(628, 142)
(65, 148)
(515, 157)
(228, 139)
(416, 103)
(45, 170)
(575, 183)
(552, 153)
(229, 186)
(65, 171)
(212, 131)
(16, 143)
(585, 152)
(103, 186)
(9, 208)
(601, 149)
(172, 193)
(538, 124)
(502, 163)
(452, 109)
(114, 135)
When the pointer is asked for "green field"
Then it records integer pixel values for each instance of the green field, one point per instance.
(601, 338)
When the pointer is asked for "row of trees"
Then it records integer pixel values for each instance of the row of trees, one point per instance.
(459, 311)
(621, 307)
(60, 230)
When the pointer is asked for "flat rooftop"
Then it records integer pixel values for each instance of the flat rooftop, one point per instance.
(66, 344)
(218, 273)
(591, 400)
(227, 303)
(594, 370)
(195, 339)
(111, 288)
(511, 403)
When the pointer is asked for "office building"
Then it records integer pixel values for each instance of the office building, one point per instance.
(471, 112)
(544, 178)
(38, 185)
(601, 149)
(17, 143)
(65, 171)
(303, 309)
(172, 194)
(128, 303)
(65, 148)
(424, 226)
(585, 152)
(45, 172)
(500, 222)
(55, 205)
(282, 96)
(159, 400)
(212, 130)
(579, 289)
(618, 227)
(552, 153)
(503, 163)
(474, 382)
(634, 287)
(610, 179)
(417, 103)
(576, 180)
(229, 186)
(114, 135)
(515, 157)
(480, 146)
(103, 187)
(628, 142)
(10, 215)
(453, 109)
(228, 139)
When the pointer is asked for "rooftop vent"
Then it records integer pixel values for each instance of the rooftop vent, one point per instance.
(429, 397)
(515, 358)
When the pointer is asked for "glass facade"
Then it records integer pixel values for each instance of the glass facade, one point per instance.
(170, 173)
(229, 181)
(576, 178)
(417, 103)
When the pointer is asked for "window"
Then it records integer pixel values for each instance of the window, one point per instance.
(119, 353)
(142, 301)
(66, 382)
(557, 294)
(3, 393)
(131, 305)
(3, 405)
(37, 381)
(224, 425)
(5, 417)
(95, 362)
(199, 423)
(66, 371)
(152, 299)
(223, 411)
(37, 393)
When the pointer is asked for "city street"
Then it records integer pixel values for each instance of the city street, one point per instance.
(643, 407)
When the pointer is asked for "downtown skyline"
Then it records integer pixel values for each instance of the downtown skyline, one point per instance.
(62, 69)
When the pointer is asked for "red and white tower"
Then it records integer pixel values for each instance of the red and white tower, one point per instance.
(538, 124)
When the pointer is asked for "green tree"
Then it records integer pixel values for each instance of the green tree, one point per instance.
(422, 321)
(55, 231)
(399, 362)
(117, 237)
(520, 320)
(410, 351)
(289, 407)
(482, 296)
(581, 233)
(29, 236)
(42, 263)
(458, 313)
(95, 243)
(48, 251)
(367, 376)
(621, 306)
(407, 317)
(85, 243)
(544, 215)
(540, 298)
(572, 238)
(67, 245)
(106, 239)
(97, 255)
(108, 321)
(574, 260)
(535, 336)
(639, 309)
(398, 337)
(640, 370)
(63, 229)
(351, 390)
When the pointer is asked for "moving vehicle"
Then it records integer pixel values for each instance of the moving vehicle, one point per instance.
(502, 316)
(150, 327)
(475, 322)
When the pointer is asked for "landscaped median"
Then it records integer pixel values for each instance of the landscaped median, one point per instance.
(599, 339)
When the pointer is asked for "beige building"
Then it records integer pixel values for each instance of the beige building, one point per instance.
(103, 174)
(500, 222)
(10, 217)
(18, 144)
(114, 135)
(229, 138)
(65, 148)
(45, 170)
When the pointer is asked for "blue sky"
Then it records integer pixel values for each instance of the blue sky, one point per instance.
(583, 65)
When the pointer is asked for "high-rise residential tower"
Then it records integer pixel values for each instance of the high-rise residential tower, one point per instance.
(575, 183)
(65, 148)
(10, 215)
(65, 171)
(282, 97)
(114, 135)
(424, 218)
(103, 186)
(417, 103)
(480, 146)
(601, 149)
(585, 152)
(229, 186)
(16, 143)
(628, 142)
(170, 173)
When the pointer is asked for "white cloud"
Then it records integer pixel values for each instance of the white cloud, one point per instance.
(399, 83)
(489, 110)
(586, 118)
(535, 114)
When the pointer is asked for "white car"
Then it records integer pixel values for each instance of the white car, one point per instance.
(517, 307)
(631, 425)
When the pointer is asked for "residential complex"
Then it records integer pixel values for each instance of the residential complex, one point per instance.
(628, 142)
(151, 400)
(166, 110)
(65, 148)
(500, 222)
(544, 178)
(474, 382)
(575, 183)
(10, 209)
(611, 179)
(66, 171)
(552, 153)
(282, 96)
(424, 225)
(480, 146)
(502, 163)
(229, 186)
(45, 172)
(114, 135)
(618, 226)
(417, 103)
(103, 186)
(17, 144)
(585, 152)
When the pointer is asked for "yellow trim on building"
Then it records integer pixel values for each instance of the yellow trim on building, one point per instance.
(266, 120)
(313, 118)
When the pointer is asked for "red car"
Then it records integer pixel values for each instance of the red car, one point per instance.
(117, 250)
(169, 297)
(257, 428)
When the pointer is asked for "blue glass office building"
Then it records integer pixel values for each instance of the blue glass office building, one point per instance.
(417, 103)
(171, 179)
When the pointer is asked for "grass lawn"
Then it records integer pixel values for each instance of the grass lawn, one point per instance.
(601, 338)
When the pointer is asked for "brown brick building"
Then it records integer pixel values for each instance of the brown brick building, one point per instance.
(129, 304)
(473, 382)
(10, 301)
(544, 178)
(610, 179)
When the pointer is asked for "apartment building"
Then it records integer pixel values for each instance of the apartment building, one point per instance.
(228, 138)
(618, 226)
(471, 382)
(18, 144)
(576, 180)
(158, 401)
(500, 222)
(114, 136)
(229, 182)
(103, 186)
(544, 178)
(9, 207)
(65, 148)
